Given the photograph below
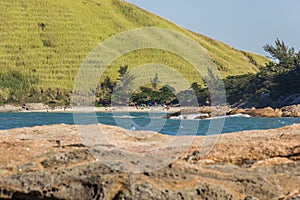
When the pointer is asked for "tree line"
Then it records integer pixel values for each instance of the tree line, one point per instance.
(279, 79)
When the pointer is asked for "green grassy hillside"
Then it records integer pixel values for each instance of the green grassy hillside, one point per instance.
(49, 39)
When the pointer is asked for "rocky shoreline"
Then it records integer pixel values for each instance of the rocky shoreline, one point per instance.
(288, 111)
(50, 162)
(198, 113)
(216, 111)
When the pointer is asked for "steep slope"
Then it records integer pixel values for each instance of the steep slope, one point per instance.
(49, 39)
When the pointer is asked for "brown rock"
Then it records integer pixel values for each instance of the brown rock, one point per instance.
(237, 111)
(250, 164)
(202, 112)
(291, 111)
(264, 112)
(278, 112)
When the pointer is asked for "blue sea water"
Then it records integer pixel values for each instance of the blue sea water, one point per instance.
(146, 121)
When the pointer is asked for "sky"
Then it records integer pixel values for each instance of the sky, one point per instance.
(243, 24)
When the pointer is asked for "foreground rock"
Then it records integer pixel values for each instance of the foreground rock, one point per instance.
(50, 162)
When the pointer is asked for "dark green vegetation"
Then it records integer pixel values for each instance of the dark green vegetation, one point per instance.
(155, 93)
(278, 80)
(14, 86)
(46, 41)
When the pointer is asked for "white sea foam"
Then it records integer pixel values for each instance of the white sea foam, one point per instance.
(229, 116)
(189, 117)
(198, 116)
(124, 117)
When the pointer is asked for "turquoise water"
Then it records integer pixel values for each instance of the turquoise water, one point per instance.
(144, 121)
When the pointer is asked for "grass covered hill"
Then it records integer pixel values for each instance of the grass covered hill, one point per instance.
(47, 40)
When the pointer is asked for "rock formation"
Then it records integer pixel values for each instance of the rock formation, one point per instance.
(50, 162)
(264, 112)
(291, 111)
(288, 111)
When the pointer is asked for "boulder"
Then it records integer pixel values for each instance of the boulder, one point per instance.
(278, 112)
(264, 112)
(291, 111)
(237, 111)
(200, 113)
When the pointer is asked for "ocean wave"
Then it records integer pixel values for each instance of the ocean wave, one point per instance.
(229, 116)
(189, 117)
(239, 115)
(199, 116)
(124, 117)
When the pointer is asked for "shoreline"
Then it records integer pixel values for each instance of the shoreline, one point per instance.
(19, 109)
(96, 109)
(202, 111)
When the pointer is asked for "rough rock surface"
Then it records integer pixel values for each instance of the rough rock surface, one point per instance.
(288, 111)
(291, 111)
(50, 162)
(264, 112)
(201, 112)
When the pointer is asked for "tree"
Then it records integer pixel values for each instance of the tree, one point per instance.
(201, 93)
(167, 94)
(122, 89)
(215, 87)
(124, 78)
(297, 60)
(122, 71)
(278, 79)
(107, 85)
(155, 81)
(14, 86)
(144, 96)
(281, 53)
(104, 91)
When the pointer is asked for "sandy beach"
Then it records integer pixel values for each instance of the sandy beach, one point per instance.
(44, 108)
